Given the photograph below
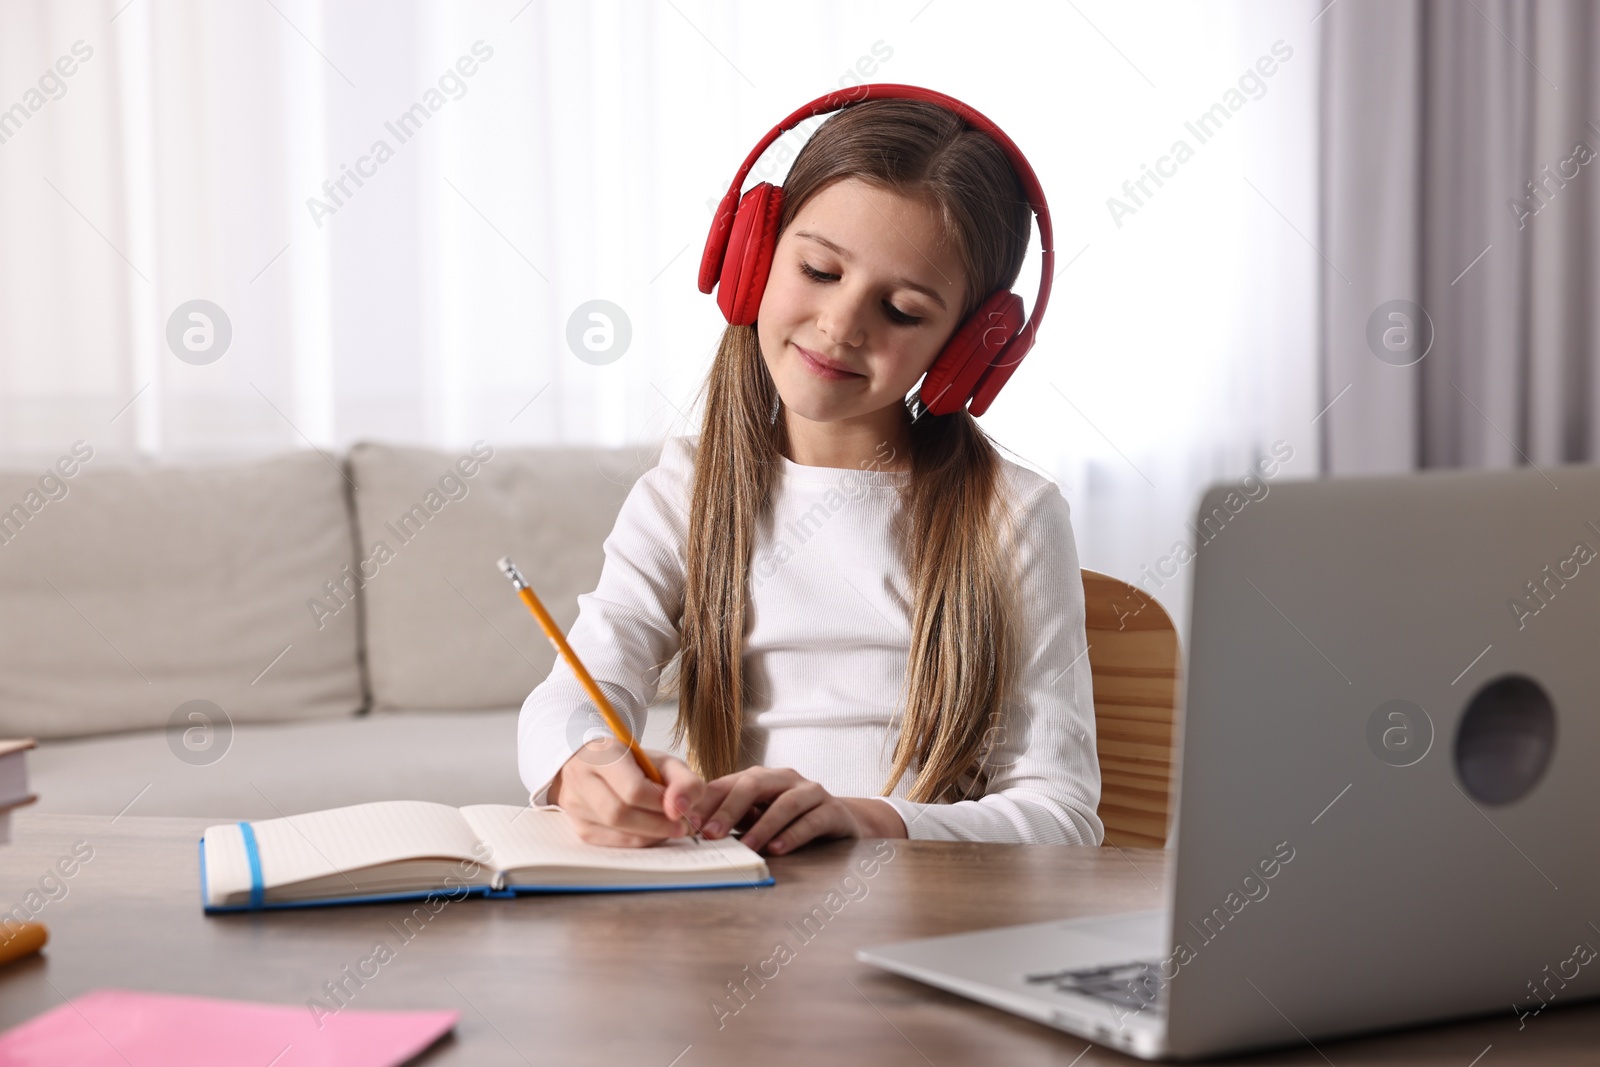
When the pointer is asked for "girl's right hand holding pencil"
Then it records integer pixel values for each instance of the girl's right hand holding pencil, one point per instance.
(609, 800)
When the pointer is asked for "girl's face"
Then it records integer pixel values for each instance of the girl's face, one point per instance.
(863, 293)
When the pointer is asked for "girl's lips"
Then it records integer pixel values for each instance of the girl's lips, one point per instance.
(822, 369)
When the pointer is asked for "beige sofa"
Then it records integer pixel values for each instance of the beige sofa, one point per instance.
(286, 634)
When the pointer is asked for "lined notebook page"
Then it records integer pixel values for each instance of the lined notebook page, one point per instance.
(534, 837)
(323, 843)
(227, 867)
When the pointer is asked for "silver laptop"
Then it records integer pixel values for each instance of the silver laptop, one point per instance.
(1390, 773)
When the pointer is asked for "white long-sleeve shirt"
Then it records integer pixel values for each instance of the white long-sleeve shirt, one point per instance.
(828, 634)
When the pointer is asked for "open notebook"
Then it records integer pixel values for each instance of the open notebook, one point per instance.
(406, 849)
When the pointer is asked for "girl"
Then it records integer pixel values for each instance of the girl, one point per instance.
(879, 621)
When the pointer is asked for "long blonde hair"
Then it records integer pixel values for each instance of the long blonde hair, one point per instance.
(962, 656)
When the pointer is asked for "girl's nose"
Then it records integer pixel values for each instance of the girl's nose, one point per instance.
(843, 319)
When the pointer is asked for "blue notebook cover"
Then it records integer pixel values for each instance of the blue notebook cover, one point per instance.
(258, 903)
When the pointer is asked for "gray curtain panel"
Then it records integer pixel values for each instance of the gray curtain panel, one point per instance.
(1460, 229)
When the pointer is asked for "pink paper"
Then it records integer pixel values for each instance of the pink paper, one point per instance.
(115, 1028)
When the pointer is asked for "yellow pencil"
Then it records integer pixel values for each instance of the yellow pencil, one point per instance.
(613, 720)
(20, 939)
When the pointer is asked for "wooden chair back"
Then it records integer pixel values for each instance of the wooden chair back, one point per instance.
(1134, 660)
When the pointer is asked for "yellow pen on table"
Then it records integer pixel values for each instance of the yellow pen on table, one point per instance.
(609, 713)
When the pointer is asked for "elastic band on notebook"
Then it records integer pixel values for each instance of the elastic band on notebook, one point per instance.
(257, 888)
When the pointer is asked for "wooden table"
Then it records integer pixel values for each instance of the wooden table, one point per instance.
(636, 978)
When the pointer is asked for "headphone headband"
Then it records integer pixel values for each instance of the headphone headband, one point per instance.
(1022, 341)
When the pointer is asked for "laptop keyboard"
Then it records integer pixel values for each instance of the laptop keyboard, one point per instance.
(1133, 985)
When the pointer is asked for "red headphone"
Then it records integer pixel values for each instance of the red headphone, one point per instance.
(981, 354)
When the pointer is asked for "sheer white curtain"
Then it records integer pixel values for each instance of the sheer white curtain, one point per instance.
(1458, 151)
(539, 156)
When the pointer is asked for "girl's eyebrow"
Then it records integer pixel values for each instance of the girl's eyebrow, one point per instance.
(904, 283)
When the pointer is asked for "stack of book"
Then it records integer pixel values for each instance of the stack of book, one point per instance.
(13, 782)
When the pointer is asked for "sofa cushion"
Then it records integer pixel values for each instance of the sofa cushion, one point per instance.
(443, 627)
(269, 769)
(131, 590)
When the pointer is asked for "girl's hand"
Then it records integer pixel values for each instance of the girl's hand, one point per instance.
(610, 801)
(782, 811)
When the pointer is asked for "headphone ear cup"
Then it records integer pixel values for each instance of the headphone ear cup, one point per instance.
(717, 243)
(998, 372)
(969, 352)
(748, 260)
